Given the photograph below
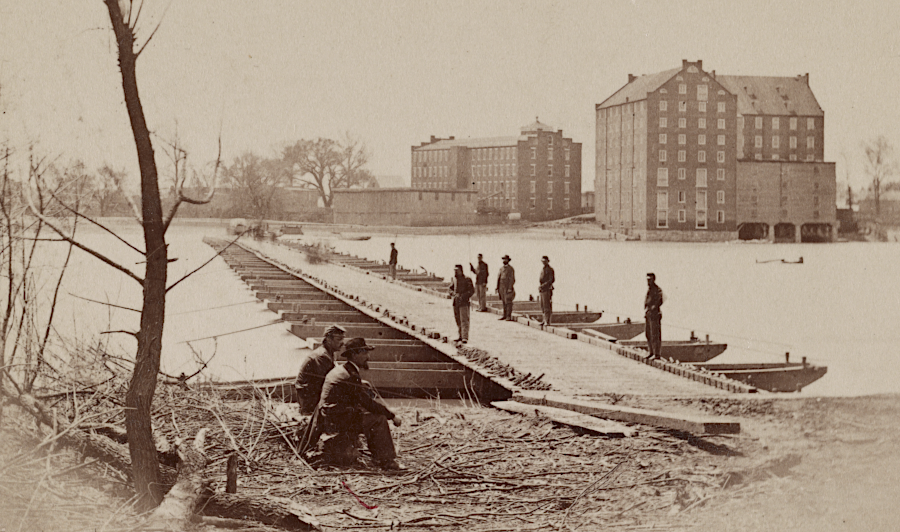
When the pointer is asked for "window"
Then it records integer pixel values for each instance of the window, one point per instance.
(793, 142)
(810, 142)
(662, 219)
(566, 187)
(550, 153)
(682, 88)
(701, 140)
(682, 139)
(701, 156)
(534, 153)
(549, 171)
(682, 123)
(662, 156)
(662, 177)
(758, 122)
(702, 92)
(810, 123)
(549, 187)
(550, 140)
(810, 157)
(701, 123)
(662, 138)
(682, 215)
(757, 141)
(549, 204)
(682, 106)
(776, 123)
(721, 107)
(720, 217)
(701, 177)
(682, 196)
(533, 186)
(721, 123)
(775, 157)
(682, 156)
(532, 203)
(793, 125)
(701, 107)
(567, 170)
(720, 174)
(701, 209)
(758, 157)
(567, 154)
(662, 105)
(793, 157)
(533, 170)
(720, 197)
(720, 156)
(776, 142)
(663, 121)
(682, 173)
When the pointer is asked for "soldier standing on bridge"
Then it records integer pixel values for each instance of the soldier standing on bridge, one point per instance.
(392, 263)
(506, 280)
(481, 279)
(461, 290)
(546, 289)
(315, 367)
(653, 317)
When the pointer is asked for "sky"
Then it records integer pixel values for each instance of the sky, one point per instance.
(261, 75)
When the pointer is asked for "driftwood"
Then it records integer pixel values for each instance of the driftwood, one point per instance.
(178, 506)
(266, 510)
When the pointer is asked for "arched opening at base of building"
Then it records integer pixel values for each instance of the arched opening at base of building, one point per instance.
(785, 232)
(815, 232)
(753, 231)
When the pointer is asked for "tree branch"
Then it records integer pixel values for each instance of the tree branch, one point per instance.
(180, 197)
(173, 285)
(91, 220)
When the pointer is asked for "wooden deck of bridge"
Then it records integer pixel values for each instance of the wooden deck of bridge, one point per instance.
(574, 368)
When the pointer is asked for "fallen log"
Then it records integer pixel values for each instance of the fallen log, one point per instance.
(178, 506)
(283, 513)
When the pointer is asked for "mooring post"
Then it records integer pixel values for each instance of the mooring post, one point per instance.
(231, 472)
(787, 357)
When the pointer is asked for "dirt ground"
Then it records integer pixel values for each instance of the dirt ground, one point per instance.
(799, 464)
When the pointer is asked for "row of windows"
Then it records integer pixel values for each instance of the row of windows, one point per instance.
(662, 199)
(776, 142)
(430, 156)
(452, 196)
(533, 187)
(701, 156)
(532, 203)
(662, 218)
(682, 106)
(793, 157)
(492, 170)
(490, 154)
(662, 176)
(431, 171)
(682, 123)
(776, 123)
(682, 139)
(567, 153)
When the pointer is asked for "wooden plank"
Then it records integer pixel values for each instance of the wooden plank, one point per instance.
(568, 417)
(654, 418)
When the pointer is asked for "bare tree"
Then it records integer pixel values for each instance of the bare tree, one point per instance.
(110, 190)
(880, 166)
(154, 222)
(256, 185)
(325, 165)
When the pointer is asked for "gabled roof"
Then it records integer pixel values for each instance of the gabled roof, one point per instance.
(639, 88)
(771, 95)
(536, 126)
(485, 142)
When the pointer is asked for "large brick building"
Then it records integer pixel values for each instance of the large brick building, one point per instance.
(686, 154)
(536, 174)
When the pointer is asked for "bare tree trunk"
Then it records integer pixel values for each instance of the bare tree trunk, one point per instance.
(138, 400)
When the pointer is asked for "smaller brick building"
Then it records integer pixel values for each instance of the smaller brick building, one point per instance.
(405, 207)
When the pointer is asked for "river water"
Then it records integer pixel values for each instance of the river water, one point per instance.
(840, 307)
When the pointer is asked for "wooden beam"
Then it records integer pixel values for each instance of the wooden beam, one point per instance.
(568, 417)
(654, 418)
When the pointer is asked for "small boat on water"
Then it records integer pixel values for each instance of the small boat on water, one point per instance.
(683, 350)
(618, 331)
(774, 377)
(563, 318)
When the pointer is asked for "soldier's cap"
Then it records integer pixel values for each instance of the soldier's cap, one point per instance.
(545, 258)
(355, 344)
(505, 257)
(651, 276)
(458, 266)
(335, 330)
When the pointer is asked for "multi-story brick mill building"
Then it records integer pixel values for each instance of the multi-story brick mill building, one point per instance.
(686, 154)
(535, 175)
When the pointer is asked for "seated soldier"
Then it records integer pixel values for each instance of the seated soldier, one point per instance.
(315, 367)
(346, 408)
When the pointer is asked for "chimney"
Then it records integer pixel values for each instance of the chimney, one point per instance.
(452, 137)
(713, 74)
(631, 77)
(433, 139)
(684, 63)
(700, 64)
